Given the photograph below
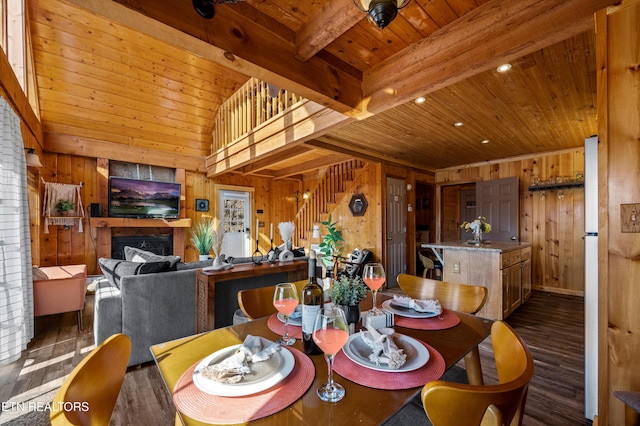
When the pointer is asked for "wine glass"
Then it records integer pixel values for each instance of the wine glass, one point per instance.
(373, 276)
(285, 299)
(330, 332)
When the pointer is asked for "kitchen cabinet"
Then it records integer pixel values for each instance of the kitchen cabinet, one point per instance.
(503, 267)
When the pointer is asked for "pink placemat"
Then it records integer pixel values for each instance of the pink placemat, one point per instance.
(207, 408)
(447, 319)
(432, 370)
(277, 327)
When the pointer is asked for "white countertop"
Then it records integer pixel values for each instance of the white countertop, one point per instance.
(501, 246)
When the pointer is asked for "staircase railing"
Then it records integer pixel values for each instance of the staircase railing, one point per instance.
(329, 191)
(253, 104)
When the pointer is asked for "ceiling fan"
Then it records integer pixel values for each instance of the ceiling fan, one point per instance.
(205, 7)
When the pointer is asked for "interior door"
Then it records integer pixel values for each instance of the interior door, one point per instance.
(396, 230)
(499, 201)
(235, 216)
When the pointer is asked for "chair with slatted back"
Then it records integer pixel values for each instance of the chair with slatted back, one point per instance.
(456, 297)
(448, 404)
(258, 302)
(89, 394)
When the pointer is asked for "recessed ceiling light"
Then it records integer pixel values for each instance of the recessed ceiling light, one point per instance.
(485, 141)
(420, 100)
(458, 124)
(504, 67)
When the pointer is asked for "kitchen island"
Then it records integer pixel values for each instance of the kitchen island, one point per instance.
(503, 267)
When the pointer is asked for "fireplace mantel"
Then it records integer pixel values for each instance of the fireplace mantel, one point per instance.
(106, 225)
(125, 222)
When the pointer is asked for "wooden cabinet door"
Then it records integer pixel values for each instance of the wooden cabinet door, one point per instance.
(526, 279)
(515, 281)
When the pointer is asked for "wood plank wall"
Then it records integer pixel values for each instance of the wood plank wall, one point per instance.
(555, 226)
(618, 44)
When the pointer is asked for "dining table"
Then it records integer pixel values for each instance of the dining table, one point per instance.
(372, 396)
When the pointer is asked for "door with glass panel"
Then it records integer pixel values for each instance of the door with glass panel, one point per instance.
(235, 216)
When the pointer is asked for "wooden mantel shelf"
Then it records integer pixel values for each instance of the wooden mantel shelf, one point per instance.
(125, 222)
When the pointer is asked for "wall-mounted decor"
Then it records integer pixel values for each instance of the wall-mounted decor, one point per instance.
(202, 205)
(358, 205)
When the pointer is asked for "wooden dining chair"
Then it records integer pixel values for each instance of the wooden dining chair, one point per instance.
(448, 404)
(258, 302)
(89, 394)
(456, 297)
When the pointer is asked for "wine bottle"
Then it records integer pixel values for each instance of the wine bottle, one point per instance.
(312, 302)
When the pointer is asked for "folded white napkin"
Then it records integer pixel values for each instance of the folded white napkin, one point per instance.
(233, 368)
(384, 349)
(297, 313)
(419, 305)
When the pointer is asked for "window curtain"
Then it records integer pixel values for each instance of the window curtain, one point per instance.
(16, 286)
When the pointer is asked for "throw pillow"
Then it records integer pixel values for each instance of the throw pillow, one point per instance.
(132, 254)
(115, 269)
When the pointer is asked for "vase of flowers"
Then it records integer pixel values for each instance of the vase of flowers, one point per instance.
(477, 227)
(217, 236)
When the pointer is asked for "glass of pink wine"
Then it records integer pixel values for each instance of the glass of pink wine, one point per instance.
(330, 332)
(285, 300)
(373, 276)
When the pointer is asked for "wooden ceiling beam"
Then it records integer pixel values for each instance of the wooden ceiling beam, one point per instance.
(241, 38)
(334, 144)
(496, 32)
(336, 18)
(267, 161)
(308, 166)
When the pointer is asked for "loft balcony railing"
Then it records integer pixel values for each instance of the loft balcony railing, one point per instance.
(255, 103)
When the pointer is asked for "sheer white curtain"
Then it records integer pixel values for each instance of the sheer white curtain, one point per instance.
(16, 288)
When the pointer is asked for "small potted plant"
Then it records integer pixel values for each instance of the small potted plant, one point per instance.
(202, 238)
(349, 292)
(64, 206)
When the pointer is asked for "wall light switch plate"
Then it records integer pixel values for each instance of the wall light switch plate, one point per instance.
(630, 217)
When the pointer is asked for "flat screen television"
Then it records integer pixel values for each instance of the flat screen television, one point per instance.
(143, 198)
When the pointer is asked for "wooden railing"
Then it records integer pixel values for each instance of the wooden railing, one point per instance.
(252, 105)
(332, 187)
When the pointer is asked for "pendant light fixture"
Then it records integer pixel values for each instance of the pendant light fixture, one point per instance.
(381, 12)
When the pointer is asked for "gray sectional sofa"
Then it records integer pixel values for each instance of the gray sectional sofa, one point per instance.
(152, 299)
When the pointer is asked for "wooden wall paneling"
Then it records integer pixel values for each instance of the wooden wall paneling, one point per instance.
(620, 343)
(553, 226)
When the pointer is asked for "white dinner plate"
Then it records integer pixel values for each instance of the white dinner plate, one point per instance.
(264, 374)
(417, 354)
(407, 312)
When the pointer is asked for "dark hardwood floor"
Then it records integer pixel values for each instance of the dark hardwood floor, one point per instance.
(550, 324)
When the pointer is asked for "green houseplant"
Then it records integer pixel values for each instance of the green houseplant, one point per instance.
(348, 292)
(331, 245)
(64, 206)
(202, 237)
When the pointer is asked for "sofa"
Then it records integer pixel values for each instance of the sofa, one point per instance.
(152, 299)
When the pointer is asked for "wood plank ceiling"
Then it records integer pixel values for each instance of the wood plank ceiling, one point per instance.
(116, 80)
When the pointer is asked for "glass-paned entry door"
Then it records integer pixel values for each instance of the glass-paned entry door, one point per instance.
(235, 217)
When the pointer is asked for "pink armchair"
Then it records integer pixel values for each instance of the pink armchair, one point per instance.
(58, 289)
